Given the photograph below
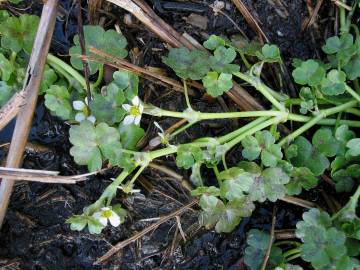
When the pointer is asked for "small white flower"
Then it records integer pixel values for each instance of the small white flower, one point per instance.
(106, 214)
(83, 113)
(135, 111)
(162, 138)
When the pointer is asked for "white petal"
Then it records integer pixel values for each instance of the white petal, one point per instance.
(126, 107)
(135, 101)
(92, 119)
(78, 105)
(141, 108)
(105, 208)
(129, 119)
(158, 126)
(86, 101)
(80, 117)
(103, 220)
(114, 219)
(98, 216)
(137, 120)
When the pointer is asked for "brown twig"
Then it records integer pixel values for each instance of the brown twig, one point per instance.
(253, 23)
(31, 87)
(126, 242)
(83, 50)
(272, 233)
(11, 109)
(313, 15)
(299, 202)
(42, 176)
(285, 234)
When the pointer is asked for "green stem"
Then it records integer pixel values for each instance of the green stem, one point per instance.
(223, 158)
(287, 242)
(62, 72)
(179, 130)
(108, 194)
(293, 257)
(262, 88)
(243, 58)
(186, 95)
(352, 204)
(353, 93)
(99, 78)
(239, 131)
(322, 114)
(343, 26)
(291, 252)
(13, 58)
(136, 175)
(51, 59)
(224, 115)
(217, 174)
(251, 131)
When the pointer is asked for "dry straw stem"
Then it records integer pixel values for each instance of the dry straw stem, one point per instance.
(11, 108)
(31, 87)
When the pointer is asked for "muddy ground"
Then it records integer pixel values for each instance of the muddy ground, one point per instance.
(35, 235)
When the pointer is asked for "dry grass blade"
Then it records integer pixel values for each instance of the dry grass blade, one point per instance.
(126, 242)
(313, 15)
(272, 233)
(94, 6)
(299, 202)
(31, 87)
(42, 176)
(250, 19)
(11, 109)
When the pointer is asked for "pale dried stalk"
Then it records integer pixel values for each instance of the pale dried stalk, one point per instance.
(11, 109)
(31, 87)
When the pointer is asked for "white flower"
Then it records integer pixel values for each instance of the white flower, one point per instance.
(106, 214)
(135, 111)
(83, 113)
(162, 138)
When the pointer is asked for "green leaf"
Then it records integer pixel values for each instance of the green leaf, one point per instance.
(335, 44)
(343, 135)
(263, 143)
(354, 147)
(95, 36)
(87, 141)
(352, 68)
(214, 191)
(269, 54)
(188, 64)
(188, 155)
(49, 79)
(257, 245)
(325, 142)
(344, 182)
(301, 178)
(310, 72)
(6, 68)
(221, 61)
(4, 15)
(79, 222)
(308, 100)
(269, 185)
(216, 84)
(18, 33)
(117, 157)
(235, 183)
(309, 156)
(334, 83)
(324, 245)
(57, 100)
(107, 108)
(130, 135)
(195, 176)
(6, 92)
(224, 217)
(214, 42)
(128, 82)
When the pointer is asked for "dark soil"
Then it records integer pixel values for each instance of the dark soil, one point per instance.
(35, 236)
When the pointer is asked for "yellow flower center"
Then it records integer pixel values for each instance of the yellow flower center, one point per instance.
(106, 213)
(134, 111)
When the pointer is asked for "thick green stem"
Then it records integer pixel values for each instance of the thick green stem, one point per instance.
(291, 252)
(251, 131)
(99, 78)
(51, 59)
(239, 131)
(186, 95)
(322, 114)
(262, 88)
(181, 129)
(353, 93)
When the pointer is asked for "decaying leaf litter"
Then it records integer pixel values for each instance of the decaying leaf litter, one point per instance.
(231, 246)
